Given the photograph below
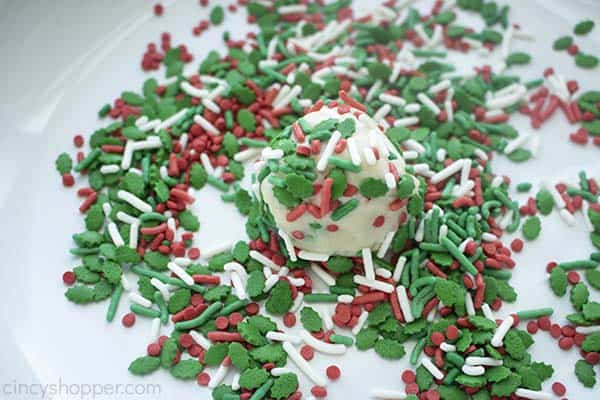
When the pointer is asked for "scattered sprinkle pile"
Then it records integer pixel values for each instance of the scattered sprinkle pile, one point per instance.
(436, 270)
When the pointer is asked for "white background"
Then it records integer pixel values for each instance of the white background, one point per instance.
(61, 60)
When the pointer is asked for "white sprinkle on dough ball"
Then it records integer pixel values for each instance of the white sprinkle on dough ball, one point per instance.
(369, 223)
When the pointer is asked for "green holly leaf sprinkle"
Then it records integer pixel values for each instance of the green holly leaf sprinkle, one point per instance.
(144, 365)
(280, 300)
(339, 264)
(579, 295)
(156, 260)
(507, 386)
(84, 275)
(63, 163)
(372, 187)
(298, 186)
(269, 353)
(497, 374)
(251, 334)
(179, 300)
(239, 356)
(284, 386)
(216, 354)
(591, 342)
(253, 378)
(198, 176)
(188, 221)
(255, 283)
(311, 320)
(168, 353)
(389, 349)
(246, 120)
(112, 272)
(585, 373)
(366, 338)
(187, 369)
(558, 281)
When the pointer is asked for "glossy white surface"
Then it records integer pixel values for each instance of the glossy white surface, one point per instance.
(61, 61)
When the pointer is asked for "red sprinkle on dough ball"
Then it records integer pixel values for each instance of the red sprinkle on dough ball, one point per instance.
(307, 352)
(68, 278)
(128, 320)
(158, 9)
(333, 372)
(559, 389)
(379, 221)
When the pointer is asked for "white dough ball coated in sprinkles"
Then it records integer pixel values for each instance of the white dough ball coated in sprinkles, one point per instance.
(328, 198)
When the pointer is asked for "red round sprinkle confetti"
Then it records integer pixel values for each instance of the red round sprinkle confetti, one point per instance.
(186, 340)
(307, 352)
(559, 389)
(153, 349)
(333, 372)
(319, 392)
(222, 323)
(573, 277)
(516, 245)
(592, 357)
(408, 376)
(68, 278)
(437, 338)
(158, 9)
(550, 266)
(565, 343)
(252, 309)
(128, 320)
(289, 320)
(235, 318)
(412, 388)
(78, 140)
(194, 253)
(452, 332)
(555, 331)
(532, 327)
(544, 323)
(203, 379)
(68, 180)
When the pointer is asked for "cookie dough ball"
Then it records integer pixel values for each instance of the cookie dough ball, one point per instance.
(337, 193)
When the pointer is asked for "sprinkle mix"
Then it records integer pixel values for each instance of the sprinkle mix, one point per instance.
(360, 160)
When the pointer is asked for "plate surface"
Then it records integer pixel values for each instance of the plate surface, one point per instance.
(62, 61)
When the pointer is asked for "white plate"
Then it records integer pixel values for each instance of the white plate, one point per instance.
(61, 61)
